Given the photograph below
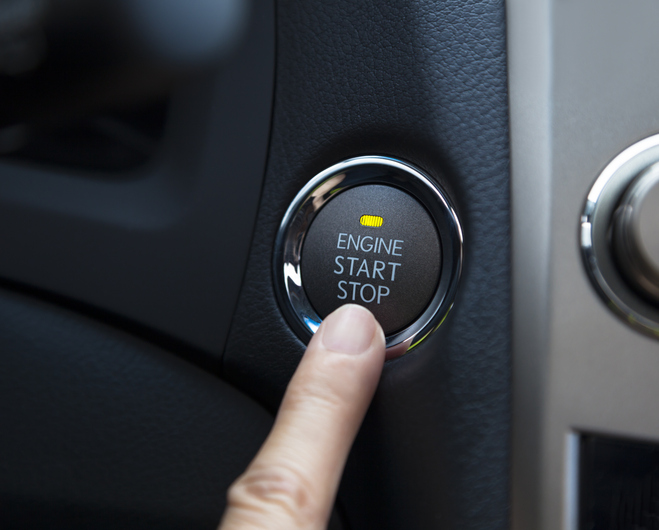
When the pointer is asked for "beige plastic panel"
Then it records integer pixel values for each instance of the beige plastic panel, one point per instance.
(583, 86)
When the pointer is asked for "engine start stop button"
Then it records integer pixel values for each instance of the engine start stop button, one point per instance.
(376, 246)
(373, 231)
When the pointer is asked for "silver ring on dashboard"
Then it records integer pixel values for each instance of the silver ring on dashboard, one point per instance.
(322, 188)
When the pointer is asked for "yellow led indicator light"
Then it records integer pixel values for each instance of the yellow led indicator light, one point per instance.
(373, 221)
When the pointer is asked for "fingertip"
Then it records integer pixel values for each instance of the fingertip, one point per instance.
(350, 329)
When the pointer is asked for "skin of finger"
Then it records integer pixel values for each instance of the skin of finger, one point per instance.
(293, 480)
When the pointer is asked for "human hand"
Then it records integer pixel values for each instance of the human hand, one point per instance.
(291, 483)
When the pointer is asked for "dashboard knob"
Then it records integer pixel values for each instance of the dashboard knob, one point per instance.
(620, 236)
(635, 234)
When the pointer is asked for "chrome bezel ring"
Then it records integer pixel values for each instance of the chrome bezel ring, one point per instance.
(321, 189)
(595, 233)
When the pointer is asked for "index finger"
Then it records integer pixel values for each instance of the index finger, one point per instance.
(292, 482)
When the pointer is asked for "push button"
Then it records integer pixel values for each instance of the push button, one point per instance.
(373, 231)
(375, 246)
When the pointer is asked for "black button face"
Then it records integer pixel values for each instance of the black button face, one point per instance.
(376, 246)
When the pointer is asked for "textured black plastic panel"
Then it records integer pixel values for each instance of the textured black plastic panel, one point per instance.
(164, 245)
(424, 81)
(101, 430)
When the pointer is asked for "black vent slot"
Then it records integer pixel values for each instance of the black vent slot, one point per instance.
(619, 485)
(106, 141)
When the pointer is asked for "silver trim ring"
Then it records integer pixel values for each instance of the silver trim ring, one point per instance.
(323, 187)
(596, 220)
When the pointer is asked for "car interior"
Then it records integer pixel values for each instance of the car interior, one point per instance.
(187, 188)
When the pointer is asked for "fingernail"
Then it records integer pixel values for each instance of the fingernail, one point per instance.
(349, 329)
